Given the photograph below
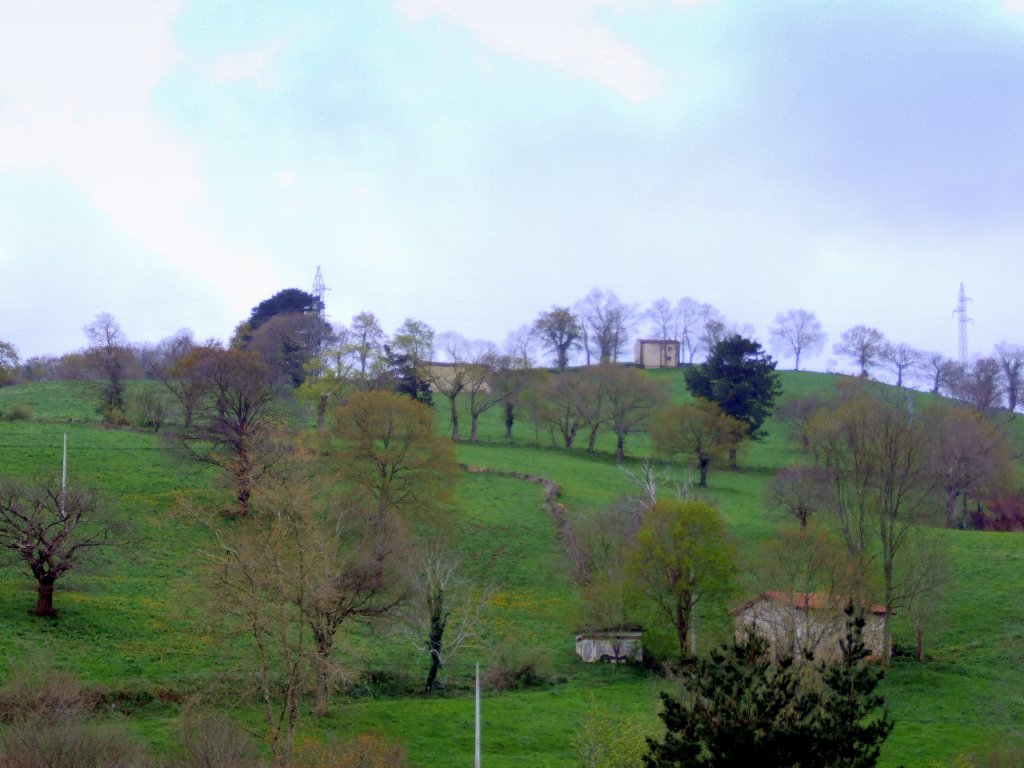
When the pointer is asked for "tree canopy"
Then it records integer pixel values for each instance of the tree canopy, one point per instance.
(681, 559)
(740, 378)
(283, 302)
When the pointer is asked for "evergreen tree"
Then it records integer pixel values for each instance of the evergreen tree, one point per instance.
(743, 708)
(740, 378)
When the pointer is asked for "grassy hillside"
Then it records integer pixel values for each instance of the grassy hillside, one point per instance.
(136, 621)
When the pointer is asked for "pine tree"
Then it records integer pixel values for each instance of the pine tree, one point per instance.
(743, 708)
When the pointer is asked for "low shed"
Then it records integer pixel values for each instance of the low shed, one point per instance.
(615, 645)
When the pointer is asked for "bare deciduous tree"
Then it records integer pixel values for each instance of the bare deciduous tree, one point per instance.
(877, 458)
(942, 372)
(512, 379)
(861, 344)
(1011, 361)
(231, 428)
(449, 377)
(608, 322)
(662, 319)
(49, 529)
(443, 611)
(924, 576)
(968, 454)
(180, 370)
(798, 414)
(980, 386)
(901, 358)
(699, 429)
(797, 331)
(482, 365)
(799, 491)
(521, 346)
(632, 399)
(109, 356)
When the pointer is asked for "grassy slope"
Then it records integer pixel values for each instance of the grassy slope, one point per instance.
(130, 624)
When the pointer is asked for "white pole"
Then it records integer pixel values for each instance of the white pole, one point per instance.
(64, 475)
(476, 762)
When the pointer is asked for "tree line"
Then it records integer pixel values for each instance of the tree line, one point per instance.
(330, 520)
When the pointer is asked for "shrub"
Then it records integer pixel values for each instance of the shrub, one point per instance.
(367, 750)
(47, 710)
(148, 409)
(34, 691)
(1004, 513)
(19, 412)
(214, 741)
(1004, 757)
(515, 666)
(35, 743)
(606, 741)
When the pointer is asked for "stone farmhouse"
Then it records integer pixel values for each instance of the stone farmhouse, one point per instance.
(794, 622)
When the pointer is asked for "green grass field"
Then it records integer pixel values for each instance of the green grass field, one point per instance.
(136, 621)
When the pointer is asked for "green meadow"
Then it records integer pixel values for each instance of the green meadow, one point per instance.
(138, 620)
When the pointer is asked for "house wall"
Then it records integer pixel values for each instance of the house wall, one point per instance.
(790, 631)
(656, 354)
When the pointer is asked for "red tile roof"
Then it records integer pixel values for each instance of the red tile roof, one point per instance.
(807, 601)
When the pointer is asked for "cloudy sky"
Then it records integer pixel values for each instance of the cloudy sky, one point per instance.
(473, 162)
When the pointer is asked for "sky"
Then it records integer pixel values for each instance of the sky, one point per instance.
(472, 163)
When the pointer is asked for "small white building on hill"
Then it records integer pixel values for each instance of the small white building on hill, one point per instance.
(656, 353)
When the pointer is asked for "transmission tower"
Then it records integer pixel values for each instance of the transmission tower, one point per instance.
(963, 320)
(319, 289)
(322, 332)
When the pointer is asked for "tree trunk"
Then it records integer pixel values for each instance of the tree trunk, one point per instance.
(321, 411)
(243, 481)
(510, 417)
(322, 662)
(732, 458)
(472, 426)
(44, 601)
(682, 623)
(620, 447)
(919, 636)
(950, 508)
(438, 622)
(455, 420)
(887, 618)
(592, 440)
(703, 466)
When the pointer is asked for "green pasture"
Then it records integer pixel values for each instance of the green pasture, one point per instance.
(137, 619)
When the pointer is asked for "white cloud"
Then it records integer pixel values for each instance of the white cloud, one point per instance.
(75, 87)
(256, 66)
(560, 34)
(1014, 6)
